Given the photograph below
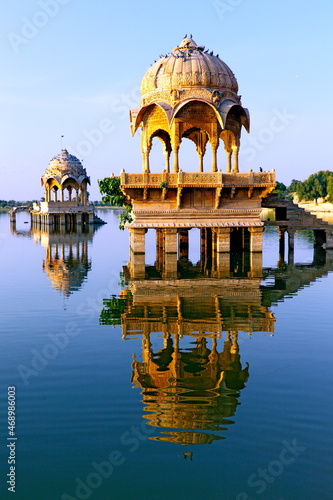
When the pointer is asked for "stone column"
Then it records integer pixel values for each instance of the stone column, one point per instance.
(167, 160)
(170, 253)
(214, 156)
(145, 160)
(223, 239)
(228, 169)
(61, 195)
(291, 246)
(183, 244)
(256, 233)
(176, 159)
(235, 155)
(200, 161)
(159, 249)
(282, 231)
(137, 252)
(329, 240)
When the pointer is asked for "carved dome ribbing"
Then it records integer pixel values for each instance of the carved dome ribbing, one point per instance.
(189, 66)
(64, 166)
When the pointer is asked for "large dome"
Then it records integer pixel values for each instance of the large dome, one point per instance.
(64, 166)
(189, 66)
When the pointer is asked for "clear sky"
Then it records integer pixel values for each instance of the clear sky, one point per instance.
(74, 67)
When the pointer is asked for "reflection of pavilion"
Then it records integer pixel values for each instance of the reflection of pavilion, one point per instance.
(66, 261)
(189, 387)
(190, 382)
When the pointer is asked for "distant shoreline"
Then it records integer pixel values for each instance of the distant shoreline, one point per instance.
(324, 208)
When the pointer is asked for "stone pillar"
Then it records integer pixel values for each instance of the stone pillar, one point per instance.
(167, 160)
(77, 196)
(170, 253)
(145, 160)
(223, 239)
(214, 157)
(235, 155)
(228, 169)
(137, 252)
(176, 159)
(159, 249)
(329, 240)
(200, 161)
(61, 195)
(256, 233)
(282, 231)
(202, 245)
(55, 195)
(183, 244)
(291, 246)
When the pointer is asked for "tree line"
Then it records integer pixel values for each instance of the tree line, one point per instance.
(319, 185)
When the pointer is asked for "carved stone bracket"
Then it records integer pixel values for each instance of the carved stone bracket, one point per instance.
(218, 192)
(179, 196)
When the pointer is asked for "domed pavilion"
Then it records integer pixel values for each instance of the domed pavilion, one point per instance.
(192, 94)
(65, 183)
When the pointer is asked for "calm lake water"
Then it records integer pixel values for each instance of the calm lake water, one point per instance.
(152, 390)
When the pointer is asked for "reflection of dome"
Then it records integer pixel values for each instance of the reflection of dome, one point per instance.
(64, 166)
(67, 276)
(189, 66)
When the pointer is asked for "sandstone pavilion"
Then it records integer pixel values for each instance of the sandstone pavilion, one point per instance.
(66, 204)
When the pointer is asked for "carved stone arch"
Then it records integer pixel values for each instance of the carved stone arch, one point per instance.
(164, 137)
(192, 101)
(141, 118)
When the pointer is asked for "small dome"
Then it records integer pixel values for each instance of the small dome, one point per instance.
(63, 166)
(188, 65)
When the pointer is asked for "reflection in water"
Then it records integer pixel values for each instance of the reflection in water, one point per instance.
(190, 373)
(66, 262)
(191, 383)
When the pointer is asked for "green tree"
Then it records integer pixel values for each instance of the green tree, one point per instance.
(112, 195)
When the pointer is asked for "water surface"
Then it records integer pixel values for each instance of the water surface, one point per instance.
(152, 390)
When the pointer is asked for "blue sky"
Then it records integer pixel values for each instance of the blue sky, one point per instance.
(74, 68)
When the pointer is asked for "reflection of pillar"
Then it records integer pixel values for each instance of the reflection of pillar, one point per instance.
(183, 243)
(255, 265)
(228, 153)
(137, 252)
(170, 253)
(256, 233)
(282, 231)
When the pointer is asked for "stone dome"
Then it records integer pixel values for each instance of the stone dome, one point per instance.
(64, 166)
(189, 65)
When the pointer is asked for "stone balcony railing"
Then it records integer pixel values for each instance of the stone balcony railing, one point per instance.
(196, 179)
